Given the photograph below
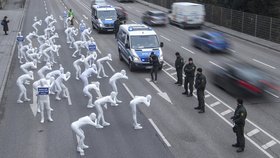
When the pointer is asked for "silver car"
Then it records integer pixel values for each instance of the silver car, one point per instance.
(154, 18)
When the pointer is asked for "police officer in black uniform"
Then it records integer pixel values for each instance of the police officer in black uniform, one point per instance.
(179, 64)
(200, 84)
(117, 24)
(155, 65)
(239, 118)
(189, 70)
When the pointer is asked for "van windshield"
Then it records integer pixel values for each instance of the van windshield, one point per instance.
(147, 41)
(107, 14)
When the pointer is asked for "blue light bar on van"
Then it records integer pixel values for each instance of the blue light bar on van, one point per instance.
(139, 28)
(105, 6)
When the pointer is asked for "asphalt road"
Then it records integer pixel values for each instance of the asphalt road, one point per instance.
(189, 134)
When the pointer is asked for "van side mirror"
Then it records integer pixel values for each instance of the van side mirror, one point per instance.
(126, 46)
(161, 44)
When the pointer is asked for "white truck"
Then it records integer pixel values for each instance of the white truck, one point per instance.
(185, 14)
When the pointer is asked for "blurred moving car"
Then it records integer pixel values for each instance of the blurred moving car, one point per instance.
(154, 18)
(126, 1)
(121, 13)
(240, 78)
(98, 2)
(187, 14)
(210, 42)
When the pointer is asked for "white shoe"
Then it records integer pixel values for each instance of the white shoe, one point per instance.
(42, 121)
(77, 78)
(85, 146)
(105, 76)
(99, 77)
(90, 106)
(19, 101)
(138, 126)
(57, 98)
(50, 119)
(27, 99)
(119, 101)
(74, 56)
(99, 126)
(106, 124)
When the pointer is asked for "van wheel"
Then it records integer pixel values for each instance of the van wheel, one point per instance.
(131, 67)
(120, 56)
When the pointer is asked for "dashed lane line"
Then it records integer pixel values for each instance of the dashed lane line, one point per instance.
(216, 65)
(134, 21)
(226, 112)
(165, 38)
(215, 104)
(110, 66)
(264, 63)
(276, 96)
(269, 144)
(253, 132)
(85, 16)
(128, 90)
(187, 50)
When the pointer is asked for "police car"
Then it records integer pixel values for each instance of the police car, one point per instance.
(103, 17)
(135, 44)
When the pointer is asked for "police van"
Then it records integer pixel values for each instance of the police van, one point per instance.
(103, 17)
(135, 44)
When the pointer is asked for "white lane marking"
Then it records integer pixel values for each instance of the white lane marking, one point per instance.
(134, 21)
(214, 104)
(246, 119)
(165, 38)
(60, 17)
(164, 64)
(174, 73)
(99, 51)
(216, 65)
(68, 97)
(269, 144)
(207, 95)
(65, 7)
(110, 66)
(137, 11)
(159, 132)
(170, 68)
(264, 63)
(128, 90)
(85, 16)
(188, 50)
(276, 96)
(226, 112)
(76, 21)
(164, 95)
(232, 50)
(47, 12)
(253, 132)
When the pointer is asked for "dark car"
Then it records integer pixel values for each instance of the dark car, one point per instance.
(126, 1)
(121, 13)
(211, 42)
(238, 78)
(154, 18)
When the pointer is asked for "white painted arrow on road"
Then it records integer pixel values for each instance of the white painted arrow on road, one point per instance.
(164, 95)
(34, 105)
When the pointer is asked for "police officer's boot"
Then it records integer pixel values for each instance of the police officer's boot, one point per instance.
(240, 150)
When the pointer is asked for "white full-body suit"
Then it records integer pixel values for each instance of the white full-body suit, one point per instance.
(20, 83)
(60, 85)
(54, 74)
(42, 71)
(35, 24)
(98, 105)
(45, 52)
(48, 19)
(67, 32)
(91, 46)
(65, 22)
(23, 51)
(78, 45)
(113, 80)
(48, 31)
(30, 36)
(77, 128)
(73, 32)
(41, 39)
(52, 38)
(20, 40)
(51, 24)
(44, 100)
(136, 101)
(87, 73)
(85, 34)
(32, 54)
(89, 60)
(28, 65)
(77, 66)
(82, 27)
(55, 49)
(86, 91)
(100, 67)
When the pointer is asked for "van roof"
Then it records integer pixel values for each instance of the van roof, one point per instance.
(103, 7)
(137, 29)
(186, 4)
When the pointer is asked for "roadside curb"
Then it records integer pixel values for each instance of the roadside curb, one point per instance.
(231, 34)
(6, 74)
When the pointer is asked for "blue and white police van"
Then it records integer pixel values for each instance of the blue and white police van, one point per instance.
(135, 44)
(103, 17)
